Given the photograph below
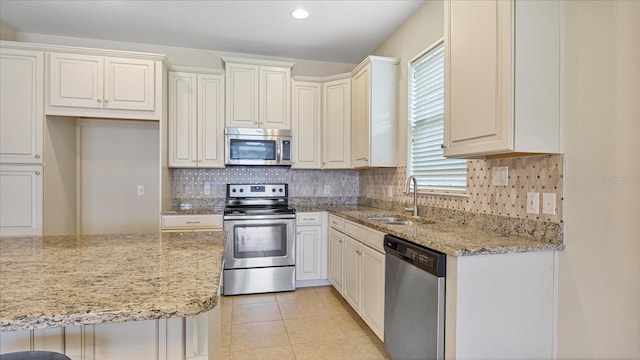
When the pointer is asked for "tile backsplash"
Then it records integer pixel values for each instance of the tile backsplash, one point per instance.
(342, 185)
(526, 174)
(532, 173)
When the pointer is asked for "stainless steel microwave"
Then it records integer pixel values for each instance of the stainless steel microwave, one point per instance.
(248, 146)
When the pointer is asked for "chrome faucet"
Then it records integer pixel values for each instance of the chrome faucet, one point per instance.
(415, 195)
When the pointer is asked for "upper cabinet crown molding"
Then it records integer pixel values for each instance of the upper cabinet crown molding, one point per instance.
(503, 78)
(87, 51)
(258, 62)
(197, 70)
(374, 98)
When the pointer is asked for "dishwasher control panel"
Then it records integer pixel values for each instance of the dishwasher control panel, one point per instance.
(426, 259)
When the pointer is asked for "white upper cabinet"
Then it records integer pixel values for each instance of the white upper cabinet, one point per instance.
(258, 93)
(196, 122)
(502, 78)
(306, 104)
(104, 86)
(374, 92)
(22, 103)
(336, 122)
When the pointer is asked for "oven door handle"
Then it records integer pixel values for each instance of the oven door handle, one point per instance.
(259, 217)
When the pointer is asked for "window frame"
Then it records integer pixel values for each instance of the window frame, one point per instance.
(427, 189)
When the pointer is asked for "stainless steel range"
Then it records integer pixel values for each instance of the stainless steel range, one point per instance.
(260, 252)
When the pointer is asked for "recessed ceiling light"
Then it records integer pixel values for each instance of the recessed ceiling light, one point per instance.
(300, 13)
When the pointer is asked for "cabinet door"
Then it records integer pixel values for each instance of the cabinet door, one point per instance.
(352, 272)
(21, 205)
(306, 125)
(336, 124)
(373, 265)
(21, 122)
(309, 253)
(360, 118)
(336, 259)
(242, 95)
(128, 340)
(129, 84)
(275, 98)
(182, 119)
(477, 77)
(211, 121)
(76, 80)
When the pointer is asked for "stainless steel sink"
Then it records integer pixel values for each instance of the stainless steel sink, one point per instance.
(390, 220)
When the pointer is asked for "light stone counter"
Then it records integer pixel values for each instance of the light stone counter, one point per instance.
(449, 237)
(67, 280)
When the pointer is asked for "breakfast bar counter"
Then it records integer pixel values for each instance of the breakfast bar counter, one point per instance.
(61, 281)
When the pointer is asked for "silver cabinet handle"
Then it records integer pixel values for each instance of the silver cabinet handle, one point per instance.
(193, 222)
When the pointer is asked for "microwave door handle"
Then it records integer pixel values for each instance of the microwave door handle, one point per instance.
(278, 149)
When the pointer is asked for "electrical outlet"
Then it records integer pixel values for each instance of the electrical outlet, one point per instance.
(140, 190)
(533, 203)
(327, 189)
(390, 190)
(549, 203)
(500, 176)
(207, 188)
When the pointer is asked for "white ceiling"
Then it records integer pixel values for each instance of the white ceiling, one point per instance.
(336, 30)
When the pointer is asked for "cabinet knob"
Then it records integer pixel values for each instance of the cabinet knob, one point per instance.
(99, 101)
(37, 156)
(442, 146)
(37, 172)
(106, 101)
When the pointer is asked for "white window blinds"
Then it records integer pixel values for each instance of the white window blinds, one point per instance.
(426, 122)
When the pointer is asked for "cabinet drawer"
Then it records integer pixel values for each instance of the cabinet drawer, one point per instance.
(193, 222)
(372, 238)
(309, 218)
(336, 222)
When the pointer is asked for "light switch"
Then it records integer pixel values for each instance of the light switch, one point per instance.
(533, 203)
(140, 190)
(327, 189)
(390, 190)
(549, 203)
(207, 188)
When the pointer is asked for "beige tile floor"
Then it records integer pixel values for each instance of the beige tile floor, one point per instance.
(309, 323)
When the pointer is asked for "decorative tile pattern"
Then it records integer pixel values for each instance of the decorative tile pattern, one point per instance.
(188, 184)
(533, 173)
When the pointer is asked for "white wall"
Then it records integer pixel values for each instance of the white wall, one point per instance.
(187, 56)
(418, 33)
(115, 157)
(599, 281)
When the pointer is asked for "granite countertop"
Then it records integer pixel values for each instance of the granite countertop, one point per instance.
(57, 281)
(193, 211)
(447, 237)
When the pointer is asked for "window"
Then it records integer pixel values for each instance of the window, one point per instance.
(426, 123)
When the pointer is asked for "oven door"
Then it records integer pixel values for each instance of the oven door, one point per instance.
(259, 241)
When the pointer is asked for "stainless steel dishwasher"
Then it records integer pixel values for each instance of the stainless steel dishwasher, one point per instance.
(414, 301)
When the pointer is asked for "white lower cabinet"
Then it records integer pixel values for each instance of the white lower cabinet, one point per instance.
(357, 269)
(182, 223)
(352, 272)
(191, 338)
(336, 259)
(311, 249)
(372, 304)
(21, 191)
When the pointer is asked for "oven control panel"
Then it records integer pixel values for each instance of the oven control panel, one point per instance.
(256, 190)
